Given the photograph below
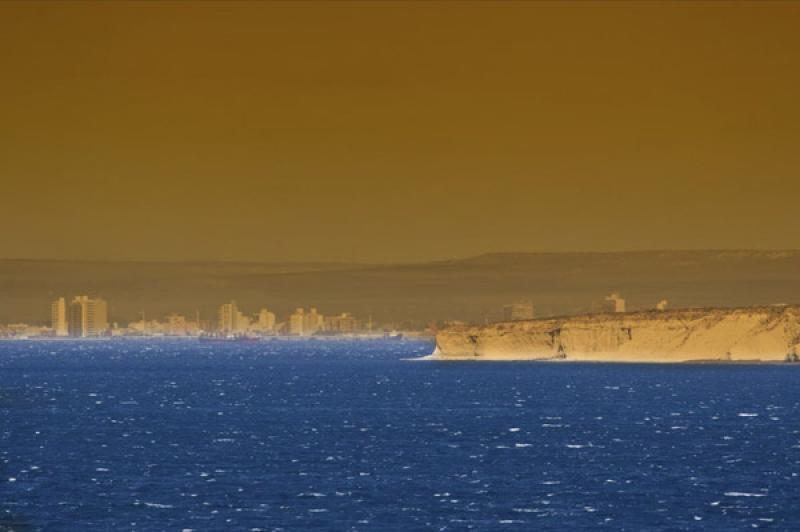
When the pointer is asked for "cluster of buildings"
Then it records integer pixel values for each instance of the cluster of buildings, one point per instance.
(231, 321)
(615, 303)
(610, 304)
(82, 317)
(86, 317)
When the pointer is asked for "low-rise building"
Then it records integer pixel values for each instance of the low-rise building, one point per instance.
(612, 304)
(344, 323)
(518, 311)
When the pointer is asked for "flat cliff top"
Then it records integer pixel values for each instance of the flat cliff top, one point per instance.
(689, 314)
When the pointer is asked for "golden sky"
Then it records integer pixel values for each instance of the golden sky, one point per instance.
(396, 131)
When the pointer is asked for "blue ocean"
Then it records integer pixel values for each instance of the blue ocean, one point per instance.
(349, 435)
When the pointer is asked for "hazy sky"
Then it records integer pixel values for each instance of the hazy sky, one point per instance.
(396, 131)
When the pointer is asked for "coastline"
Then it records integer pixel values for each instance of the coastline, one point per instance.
(750, 335)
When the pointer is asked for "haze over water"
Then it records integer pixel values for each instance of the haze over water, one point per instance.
(313, 435)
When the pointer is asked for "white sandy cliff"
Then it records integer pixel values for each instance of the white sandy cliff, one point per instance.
(767, 334)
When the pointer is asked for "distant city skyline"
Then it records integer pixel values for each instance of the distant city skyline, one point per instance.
(474, 289)
(82, 317)
(87, 317)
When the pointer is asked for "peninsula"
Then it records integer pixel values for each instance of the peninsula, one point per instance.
(755, 334)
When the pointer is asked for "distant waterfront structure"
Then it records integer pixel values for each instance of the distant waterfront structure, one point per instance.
(662, 305)
(242, 324)
(142, 327)
(518, 311)
(87, 317)
(58, 317)
(613, 303)
(266, 320)
(227, 316)
(296, 322)
(84, 316)
(177, 325)
(343, 323)
(313, 322)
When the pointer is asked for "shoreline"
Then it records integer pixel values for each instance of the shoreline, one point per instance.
(651, 361)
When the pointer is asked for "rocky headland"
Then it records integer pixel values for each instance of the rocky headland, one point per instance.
(756, 334)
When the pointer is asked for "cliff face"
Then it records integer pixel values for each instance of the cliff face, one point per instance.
(753, 334)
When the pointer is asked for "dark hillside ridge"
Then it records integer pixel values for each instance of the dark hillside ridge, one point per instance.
(471, 289)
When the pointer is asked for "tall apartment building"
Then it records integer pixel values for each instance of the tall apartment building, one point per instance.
(313, 322)
(266, 320)
(518, 311)
(87, 317)
(296, 322)
(227, 318)
(58, 317)
(242, 324)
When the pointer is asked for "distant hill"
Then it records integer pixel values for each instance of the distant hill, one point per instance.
(470, 289)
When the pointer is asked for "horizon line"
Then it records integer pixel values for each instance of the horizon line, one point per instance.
(397, 263)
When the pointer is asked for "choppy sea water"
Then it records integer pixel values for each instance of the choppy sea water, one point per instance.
(182, 435)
